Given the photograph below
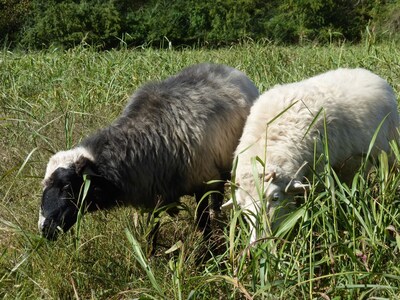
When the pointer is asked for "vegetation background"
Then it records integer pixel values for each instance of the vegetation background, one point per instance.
(56, 87)
(38, 24)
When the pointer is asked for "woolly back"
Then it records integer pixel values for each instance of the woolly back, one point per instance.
(177, 134)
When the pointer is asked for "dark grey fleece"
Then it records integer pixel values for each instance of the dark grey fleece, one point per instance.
(174, 135)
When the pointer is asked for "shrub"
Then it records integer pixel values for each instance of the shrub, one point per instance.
(386, 23)
(68, 23)
(105, 24)
(12, 13)
(320, 20)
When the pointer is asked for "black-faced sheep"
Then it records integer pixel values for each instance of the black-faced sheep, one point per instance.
(287, 122)
(172, 137)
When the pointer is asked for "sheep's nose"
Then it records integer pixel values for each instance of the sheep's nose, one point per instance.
(48, 228)
(50, 232)
(41, 221)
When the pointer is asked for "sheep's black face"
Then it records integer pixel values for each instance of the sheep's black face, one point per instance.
(59, 207)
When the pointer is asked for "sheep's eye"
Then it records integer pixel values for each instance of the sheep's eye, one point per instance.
(275, 197)
(66, 187)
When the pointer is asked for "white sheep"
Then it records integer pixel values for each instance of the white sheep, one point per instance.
(287, 122)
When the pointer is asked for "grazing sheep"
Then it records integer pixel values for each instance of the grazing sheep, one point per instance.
(287, 122)
(172, 137)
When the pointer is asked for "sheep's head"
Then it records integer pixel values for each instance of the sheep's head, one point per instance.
(59, 208)
(279, 189)
(278, 196)
(277, 192)
(62, 191)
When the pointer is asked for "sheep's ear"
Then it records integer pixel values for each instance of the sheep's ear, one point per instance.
(230, 184)
(297, 187)
(227, 205)
(269, 176)
(84, 166)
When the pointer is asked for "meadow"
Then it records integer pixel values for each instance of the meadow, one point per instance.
(342, 243)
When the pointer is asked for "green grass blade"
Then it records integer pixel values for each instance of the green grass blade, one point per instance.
(140, 258)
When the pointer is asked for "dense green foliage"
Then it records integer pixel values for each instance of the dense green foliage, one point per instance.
(106, 24)
(343, 243)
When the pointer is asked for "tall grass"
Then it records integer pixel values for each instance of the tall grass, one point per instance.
(343, 242)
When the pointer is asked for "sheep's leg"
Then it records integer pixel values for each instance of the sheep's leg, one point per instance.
(217, 198)
(153, 233)
(216, 202)
(203, 214)
(207, 212)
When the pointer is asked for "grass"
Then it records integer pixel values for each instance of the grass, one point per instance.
(343, 243)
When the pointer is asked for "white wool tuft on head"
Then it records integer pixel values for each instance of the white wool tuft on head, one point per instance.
(65, 159)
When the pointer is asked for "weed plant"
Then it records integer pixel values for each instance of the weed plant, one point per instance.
(343, 242)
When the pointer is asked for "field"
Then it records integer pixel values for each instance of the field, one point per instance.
(343, 243)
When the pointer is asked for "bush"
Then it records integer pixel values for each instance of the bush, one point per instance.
(105, 24)
(317, 20)
(12, 14)
(68, 23)
(386, 24)
(194, 21)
